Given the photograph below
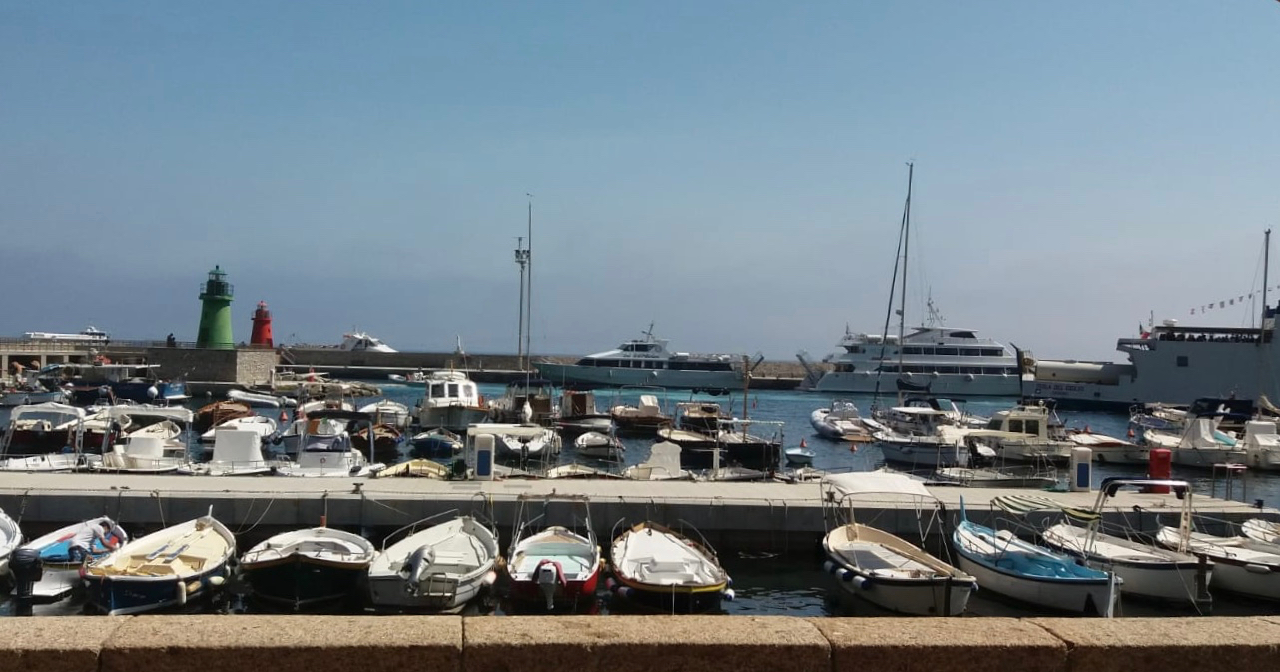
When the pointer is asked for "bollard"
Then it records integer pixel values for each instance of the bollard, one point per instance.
(27, 569)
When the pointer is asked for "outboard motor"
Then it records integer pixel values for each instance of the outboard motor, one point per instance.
(547, 575)
(415, 568)
(27, 569)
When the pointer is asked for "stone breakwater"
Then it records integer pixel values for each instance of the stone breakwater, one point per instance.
(635, 644)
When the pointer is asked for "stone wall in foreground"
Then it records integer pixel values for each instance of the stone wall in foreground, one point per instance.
(635, 644)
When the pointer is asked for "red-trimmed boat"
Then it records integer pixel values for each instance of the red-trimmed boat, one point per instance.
(554, 569)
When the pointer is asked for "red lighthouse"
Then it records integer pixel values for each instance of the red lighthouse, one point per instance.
(262, 327)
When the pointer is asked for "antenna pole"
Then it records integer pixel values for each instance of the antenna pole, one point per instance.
(528, 332)
(521, 259)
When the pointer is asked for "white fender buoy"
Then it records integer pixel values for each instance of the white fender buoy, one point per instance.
(729, 595)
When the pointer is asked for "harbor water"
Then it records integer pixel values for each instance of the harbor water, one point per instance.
(793, 582)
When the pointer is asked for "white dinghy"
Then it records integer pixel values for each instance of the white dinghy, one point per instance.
(884, 569)
(439, 568)
(1241, 565)
(598, 445)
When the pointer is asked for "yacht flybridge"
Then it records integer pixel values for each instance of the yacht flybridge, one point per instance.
(647, 361)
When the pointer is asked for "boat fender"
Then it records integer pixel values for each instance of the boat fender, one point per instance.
(217, 581)
(862, 582)
(728, 581)
(1254, 568)
(182, 593)
(728, 594)
(490, 578)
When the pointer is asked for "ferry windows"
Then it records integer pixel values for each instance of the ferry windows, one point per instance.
(943, 352)
(992, 352)
(962, 334)
(1182, 361)
(910, 350)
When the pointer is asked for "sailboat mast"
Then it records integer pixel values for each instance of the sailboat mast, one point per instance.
(906, 254)
(888, 309)
(1266, 263)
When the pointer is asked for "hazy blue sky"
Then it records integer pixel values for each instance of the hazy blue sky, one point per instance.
(733, 171)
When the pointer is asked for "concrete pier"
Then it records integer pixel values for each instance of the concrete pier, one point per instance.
(774, 517)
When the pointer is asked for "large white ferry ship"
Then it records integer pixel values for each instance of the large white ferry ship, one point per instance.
(1172, 364)
(939, 360)
(647, 361)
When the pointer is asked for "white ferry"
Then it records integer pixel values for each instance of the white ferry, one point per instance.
(1172, 364)
(939, 360)
(647, 361)
(89, 335)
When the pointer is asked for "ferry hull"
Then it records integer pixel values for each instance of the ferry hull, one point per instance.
(944, 385)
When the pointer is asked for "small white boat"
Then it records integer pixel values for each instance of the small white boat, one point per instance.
(387, 412)
(658, 569)
(595, 444)
(798, 456)
(236, 452)
(261, 425)
(1262, 445)
(439, 568)
(163, 569)
(143, 455)
(10, 537)
(260, 399)
(1266, 531)
(663, 465)
(523, 441)
(884, 569)
(578, 471)
(306, 568)
(1148, 571)
(1241, 565)
(842, 422)
(61, 568)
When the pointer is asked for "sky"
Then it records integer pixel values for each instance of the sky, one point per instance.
(733, 172)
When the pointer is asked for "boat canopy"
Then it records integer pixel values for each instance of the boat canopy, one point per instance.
(47, 408)
(176, 413)
(877, 483)
(1020, 505)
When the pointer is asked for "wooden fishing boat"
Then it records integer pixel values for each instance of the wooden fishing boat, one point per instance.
(306, 569)
(212, 415)
(658, 569)
(168, 568)
(881, 568)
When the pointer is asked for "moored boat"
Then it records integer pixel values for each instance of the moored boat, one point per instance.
(306, 569)
(60, 574)
(554, 568)
(658, 569)
(1005, 564)
(882, 568)
(598, 445)
(10, 537)
(1241, 564)
(439, 568)
(171, 567)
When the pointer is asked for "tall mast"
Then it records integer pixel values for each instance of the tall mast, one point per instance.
(906, 254)
(888, 309)
(1266, 262)
(528, 331)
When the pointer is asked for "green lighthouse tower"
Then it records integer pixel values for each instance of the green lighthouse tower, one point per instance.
(215, 314)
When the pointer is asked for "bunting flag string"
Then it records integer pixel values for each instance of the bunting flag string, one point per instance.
(1223, 303)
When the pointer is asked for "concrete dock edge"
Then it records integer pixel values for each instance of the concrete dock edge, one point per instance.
(633, 643)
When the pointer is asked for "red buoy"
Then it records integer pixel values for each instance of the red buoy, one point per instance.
(1160, 466)
(262, 327)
